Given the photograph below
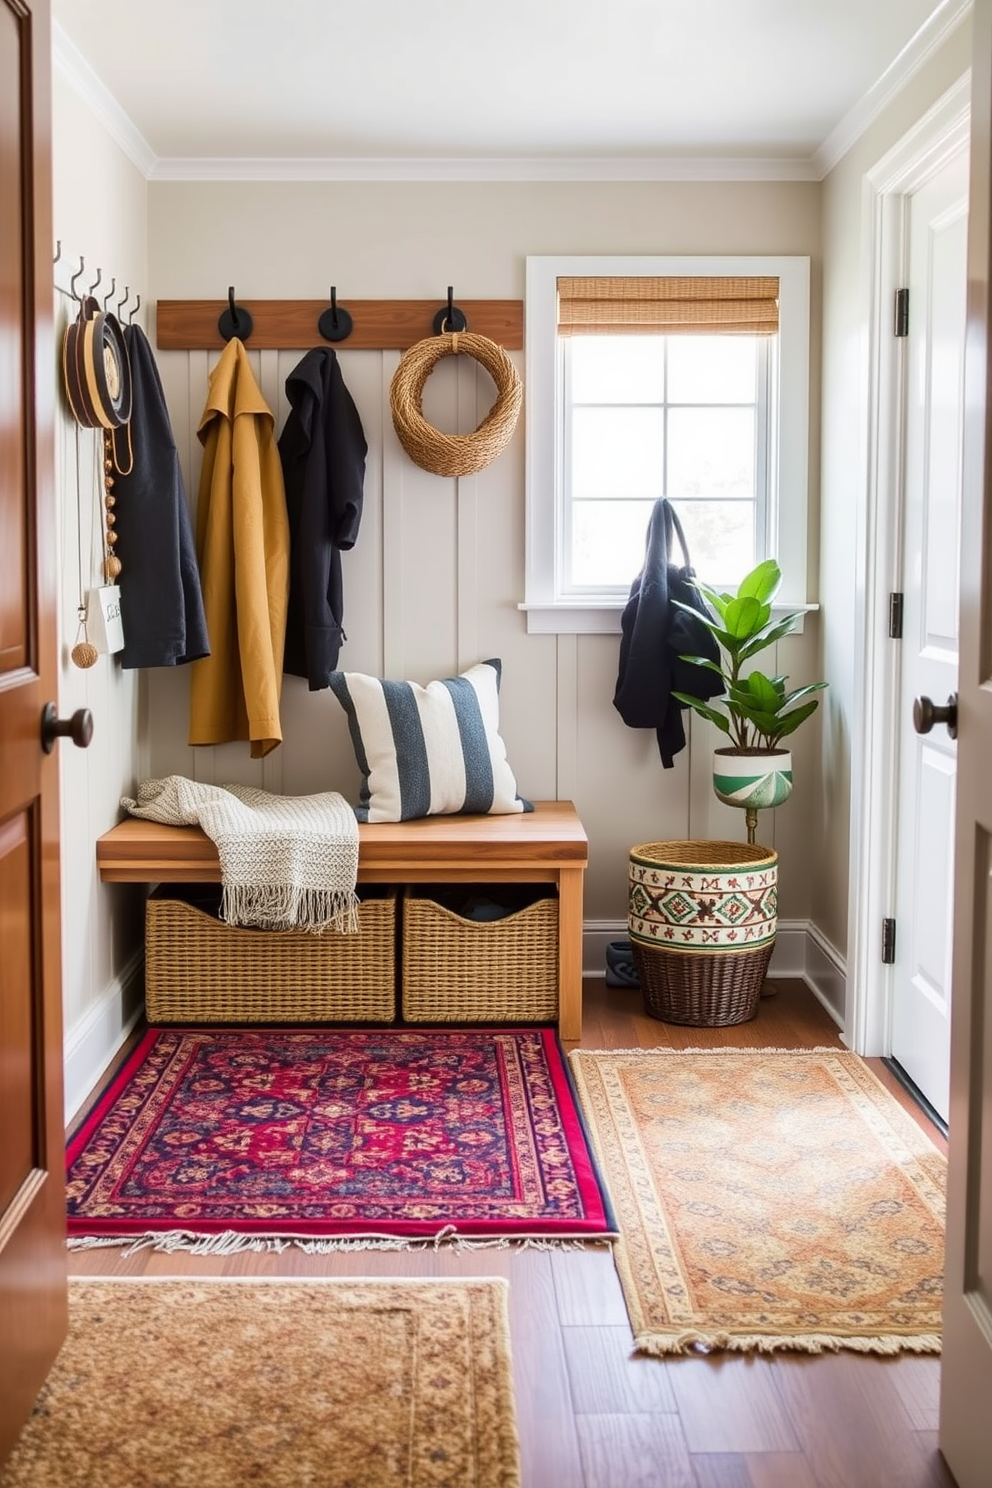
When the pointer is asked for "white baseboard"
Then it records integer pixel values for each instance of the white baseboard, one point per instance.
(92, 1043)
(800, 951)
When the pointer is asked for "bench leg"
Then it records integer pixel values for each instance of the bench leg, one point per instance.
(570, 953)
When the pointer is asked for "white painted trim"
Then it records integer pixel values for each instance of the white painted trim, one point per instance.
(801, 951)
(101, 1032)
(921, 152)
(596, 618)
(932, 34)
(485, 168)
(69, 61)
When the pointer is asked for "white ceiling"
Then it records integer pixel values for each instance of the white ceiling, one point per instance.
(621, 83)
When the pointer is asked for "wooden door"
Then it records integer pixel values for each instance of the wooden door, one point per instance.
(32, 1185)
(966, 1371)
(937, 226)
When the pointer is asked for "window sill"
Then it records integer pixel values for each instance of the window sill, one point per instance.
(603, 618)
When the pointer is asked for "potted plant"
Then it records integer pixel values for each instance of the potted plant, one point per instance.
(755, 711)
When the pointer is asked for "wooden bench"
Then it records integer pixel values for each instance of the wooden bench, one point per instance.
(547, 845)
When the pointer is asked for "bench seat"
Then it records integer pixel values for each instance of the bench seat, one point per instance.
(547, 845)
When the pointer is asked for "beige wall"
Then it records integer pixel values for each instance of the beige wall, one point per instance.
(435, 579)
(100, 212)
(844, 472)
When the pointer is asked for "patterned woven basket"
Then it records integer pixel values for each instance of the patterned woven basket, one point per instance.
(456, 970)
(702, 919)
(200, 970)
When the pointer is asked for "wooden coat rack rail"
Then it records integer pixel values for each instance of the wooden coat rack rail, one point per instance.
(291, 325)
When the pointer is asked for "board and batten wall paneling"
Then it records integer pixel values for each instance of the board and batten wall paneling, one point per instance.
(433, 585)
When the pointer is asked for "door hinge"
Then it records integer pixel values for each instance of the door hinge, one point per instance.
(895, 617)
(888, 942)
(902, 313)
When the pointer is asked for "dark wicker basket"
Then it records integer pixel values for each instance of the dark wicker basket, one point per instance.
(703, 991)
(702, 924)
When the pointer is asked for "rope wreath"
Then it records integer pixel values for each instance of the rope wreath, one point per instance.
(454, 454)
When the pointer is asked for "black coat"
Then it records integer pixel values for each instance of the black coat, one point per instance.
(161, 599)
(322, 449)
(655, 633)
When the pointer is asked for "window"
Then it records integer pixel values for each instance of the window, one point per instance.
(685, 378)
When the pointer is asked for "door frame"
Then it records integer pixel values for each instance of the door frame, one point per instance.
(878, 561)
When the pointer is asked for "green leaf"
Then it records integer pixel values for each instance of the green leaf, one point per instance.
(791, 721)
(774, 633)
(704, 710)
(743, 617)
(718, 601)
(793, 697)
(763, 691)
(762, 582)
(704, 661)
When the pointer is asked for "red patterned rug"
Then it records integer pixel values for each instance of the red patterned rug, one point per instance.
(211, 1137)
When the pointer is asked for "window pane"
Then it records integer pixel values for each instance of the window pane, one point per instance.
(712, 369)
(617, 369)
(721, 539)
(617, 453)
(608, 540)
(711, 452)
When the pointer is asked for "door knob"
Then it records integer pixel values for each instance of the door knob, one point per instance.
(926, 713)
(78, 728)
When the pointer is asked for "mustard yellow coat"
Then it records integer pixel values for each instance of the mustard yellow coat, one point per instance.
(242, 542)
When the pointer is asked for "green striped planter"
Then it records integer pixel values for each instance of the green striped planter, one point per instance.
(754, 781)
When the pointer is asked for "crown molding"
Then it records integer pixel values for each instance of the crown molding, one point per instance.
(469, 168)
(932, 34)
(69, 61)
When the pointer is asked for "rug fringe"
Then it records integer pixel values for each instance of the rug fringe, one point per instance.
(691, 1341)
(577, 1054)
(230, 1242)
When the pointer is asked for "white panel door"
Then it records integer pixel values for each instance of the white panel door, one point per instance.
(927, 762)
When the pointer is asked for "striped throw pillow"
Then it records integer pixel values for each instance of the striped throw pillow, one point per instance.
(429, 751)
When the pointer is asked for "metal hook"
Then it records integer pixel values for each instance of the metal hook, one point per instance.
(58, 250)
(335, 324)
(133, 313)
(123, 302)
(110, 294)
(235, 321)
(96, 281)
(449, 317)
(77, 275)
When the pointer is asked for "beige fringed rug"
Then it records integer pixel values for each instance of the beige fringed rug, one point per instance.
(766, 1200)
(278, 1384)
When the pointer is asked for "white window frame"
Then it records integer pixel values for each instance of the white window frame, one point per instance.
(552, 610)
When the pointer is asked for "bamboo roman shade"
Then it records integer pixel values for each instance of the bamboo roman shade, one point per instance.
(625, 305)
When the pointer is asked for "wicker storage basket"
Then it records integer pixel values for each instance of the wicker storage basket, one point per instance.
(200, 970)
(702, 919)
(458, 970)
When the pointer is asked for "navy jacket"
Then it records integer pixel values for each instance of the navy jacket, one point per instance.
(322, 449)
(655, 632)
(161, 599)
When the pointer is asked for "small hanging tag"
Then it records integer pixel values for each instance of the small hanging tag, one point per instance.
(105, 619)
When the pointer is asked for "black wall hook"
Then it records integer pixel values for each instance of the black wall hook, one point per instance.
(449, 317)
(235, 321)
(335, 324)
(132, 313)
(77, 275)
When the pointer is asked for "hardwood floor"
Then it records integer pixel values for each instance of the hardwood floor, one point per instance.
(592, 1414)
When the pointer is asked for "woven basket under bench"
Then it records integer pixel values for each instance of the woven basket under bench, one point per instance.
(460, 970)
(200, 970)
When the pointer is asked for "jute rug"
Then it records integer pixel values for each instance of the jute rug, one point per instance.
(223, 1140)
(767, 1200)
(329, 1384)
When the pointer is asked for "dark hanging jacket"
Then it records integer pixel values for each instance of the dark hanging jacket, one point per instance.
(161, 599)
(322, 449)
(655, 633)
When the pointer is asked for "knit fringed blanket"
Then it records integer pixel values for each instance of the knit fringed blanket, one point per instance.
(287, 862)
